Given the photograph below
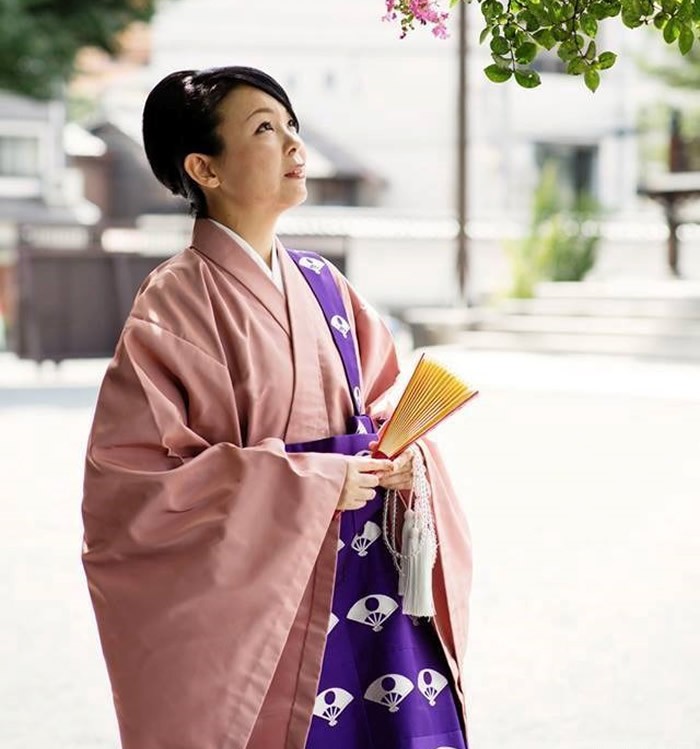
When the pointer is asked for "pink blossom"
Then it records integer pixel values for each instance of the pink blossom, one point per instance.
(426, 12)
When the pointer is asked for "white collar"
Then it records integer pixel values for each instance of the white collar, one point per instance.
(273, 272)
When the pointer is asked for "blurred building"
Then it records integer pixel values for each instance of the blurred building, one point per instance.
(394, 102)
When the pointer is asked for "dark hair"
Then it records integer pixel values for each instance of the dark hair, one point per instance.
(181, 117)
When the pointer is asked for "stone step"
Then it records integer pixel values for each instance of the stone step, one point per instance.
(663, 290)
(574, 325)
(668, 347)
(604, 307)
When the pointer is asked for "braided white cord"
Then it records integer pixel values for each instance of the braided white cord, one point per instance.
(420, 492)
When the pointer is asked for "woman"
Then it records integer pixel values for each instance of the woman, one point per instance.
(226, 511)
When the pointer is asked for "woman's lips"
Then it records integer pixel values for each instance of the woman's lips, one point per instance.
(298, 173)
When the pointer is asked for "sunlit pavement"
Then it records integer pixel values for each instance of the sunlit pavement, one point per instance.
(580, 477)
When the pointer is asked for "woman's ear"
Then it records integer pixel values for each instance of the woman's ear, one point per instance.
(199, 168)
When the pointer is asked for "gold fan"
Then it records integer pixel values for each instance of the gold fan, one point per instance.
(431, 395)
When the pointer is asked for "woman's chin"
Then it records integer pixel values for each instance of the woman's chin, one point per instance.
(301, 193)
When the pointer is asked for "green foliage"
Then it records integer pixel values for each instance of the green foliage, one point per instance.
(562, 242)
(39, 39)
(519, 30)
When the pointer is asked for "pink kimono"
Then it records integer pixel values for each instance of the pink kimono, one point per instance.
(210, 551)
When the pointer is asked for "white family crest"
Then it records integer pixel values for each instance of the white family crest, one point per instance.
(389, 690)
(361, 429)
(362, 541)
(373, 611)
(332, 621)
(312, 263)
(430, 684)
(331, 703)
(358, 396)
(341, 544)
(341, 325)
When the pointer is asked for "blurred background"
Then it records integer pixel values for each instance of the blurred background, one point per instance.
(569, 294)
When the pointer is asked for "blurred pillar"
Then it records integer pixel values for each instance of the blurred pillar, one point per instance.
(462, 163)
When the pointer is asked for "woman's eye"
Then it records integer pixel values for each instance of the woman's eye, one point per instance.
(294, 125)
(264, 126)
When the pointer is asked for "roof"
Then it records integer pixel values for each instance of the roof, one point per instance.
(325, 158)
(16, 107)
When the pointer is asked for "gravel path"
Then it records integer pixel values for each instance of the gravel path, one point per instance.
(580, 478)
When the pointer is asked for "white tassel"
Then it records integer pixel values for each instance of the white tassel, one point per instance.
(418, 553)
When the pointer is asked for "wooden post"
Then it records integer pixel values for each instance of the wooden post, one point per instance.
(672, 223)
(462, 165)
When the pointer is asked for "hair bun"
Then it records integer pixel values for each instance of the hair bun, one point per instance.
(162, 129)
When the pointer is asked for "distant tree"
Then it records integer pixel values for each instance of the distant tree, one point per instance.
(39, 39)
(518, 30)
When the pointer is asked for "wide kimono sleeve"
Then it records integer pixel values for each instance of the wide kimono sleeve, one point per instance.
(452, 576)
(197, 555)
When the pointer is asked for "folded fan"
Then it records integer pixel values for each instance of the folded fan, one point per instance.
(431, 395)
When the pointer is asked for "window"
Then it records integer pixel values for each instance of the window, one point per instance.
(547, 61)
(19, 156)
(576, 168)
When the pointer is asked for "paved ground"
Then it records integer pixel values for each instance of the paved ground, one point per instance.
(581, 479)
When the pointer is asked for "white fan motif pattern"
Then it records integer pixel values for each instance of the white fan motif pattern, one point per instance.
(389, 690)
(362, 541)
(373, 610)
(430, 684)
(330, 704)
(332, 621)
(341, 325)
(313, 264)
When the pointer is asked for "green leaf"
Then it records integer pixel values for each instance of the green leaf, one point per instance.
(577, 66)
(672, 31)
(560, 33)
(631, 20)
(545, 38)
(592, 79)
(498, 74)
(686, 11)
(484, 34)
(589, 25)
(526, 53)
(599, 11)
(696, 10)
(660, 19)
(606, 60)
(502, 62)
(510, 31)
(686, 39)
(527, 78)
(530, 21)
(567, 51)
(668, 6)
(591, 51)
(500, 46)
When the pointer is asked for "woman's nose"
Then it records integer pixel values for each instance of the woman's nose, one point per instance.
(294, 142)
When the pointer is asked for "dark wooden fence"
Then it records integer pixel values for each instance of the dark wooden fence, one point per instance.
(73, 304)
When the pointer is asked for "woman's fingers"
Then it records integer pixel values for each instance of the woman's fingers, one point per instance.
(373, 465)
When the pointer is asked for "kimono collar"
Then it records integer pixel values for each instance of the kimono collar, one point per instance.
(220, 247)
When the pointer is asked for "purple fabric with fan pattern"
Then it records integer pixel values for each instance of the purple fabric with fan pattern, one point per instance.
(385, 682)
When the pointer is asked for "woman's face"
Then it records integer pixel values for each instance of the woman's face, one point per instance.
(261, 167)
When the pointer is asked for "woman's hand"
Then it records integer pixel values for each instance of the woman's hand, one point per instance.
(400, 475)
(361, 480)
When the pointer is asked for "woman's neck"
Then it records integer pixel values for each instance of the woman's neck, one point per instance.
(259, 233)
